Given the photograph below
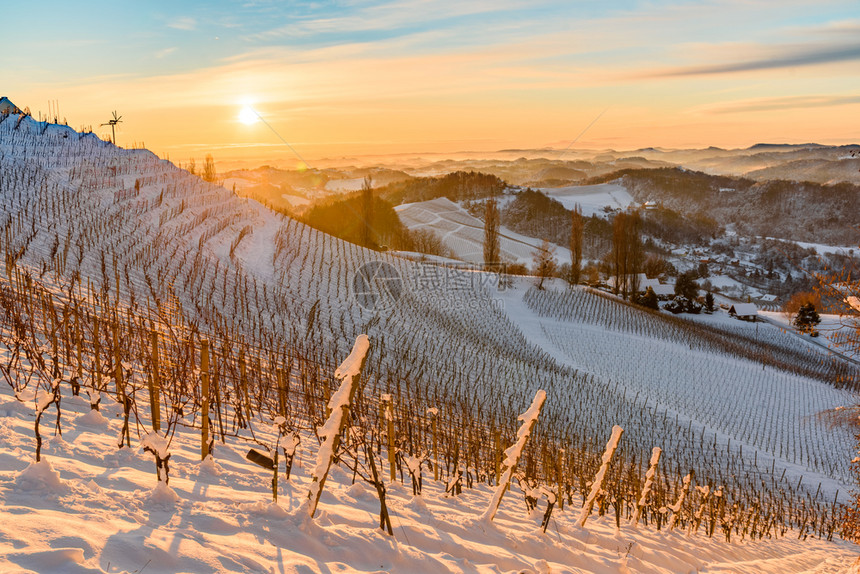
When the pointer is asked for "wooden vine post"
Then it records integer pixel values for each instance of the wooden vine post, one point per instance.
(611, 446)
(649, 480)
(497, 447)
(433, 412)
(155, 386)
(514, 452)
(349, 373)
(97, 368)
(388, 417)
(204, 398)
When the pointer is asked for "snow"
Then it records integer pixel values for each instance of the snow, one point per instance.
(611, 446)
(96, 508)
(39, 476)
(463, 234)
(722, 396)
(108, 513)
(592, 198)
(514, 452)
(338, 405)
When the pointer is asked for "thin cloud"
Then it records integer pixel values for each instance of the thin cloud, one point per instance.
(185, 23)
(165, 52)
(796, 59)
(777, 104)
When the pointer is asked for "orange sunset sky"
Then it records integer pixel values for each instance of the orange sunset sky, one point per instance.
(358, 78)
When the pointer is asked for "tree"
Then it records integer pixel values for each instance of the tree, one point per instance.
(491, 234)
(544, 261)
(648, 299)
(367, 212)
(807, 318)
(686, 286)
(791, 307)
(209, 169)
(626, 253)
(577, 226)
(709, 302)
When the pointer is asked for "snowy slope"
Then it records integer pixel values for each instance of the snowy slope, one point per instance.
(90, 507)
(591, 198)
(463, 234)
(137, 230)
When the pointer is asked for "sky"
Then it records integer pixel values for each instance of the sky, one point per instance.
(412, 76)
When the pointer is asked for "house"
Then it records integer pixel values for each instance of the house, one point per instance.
(663, 291)
(744, 311)
(768, 298)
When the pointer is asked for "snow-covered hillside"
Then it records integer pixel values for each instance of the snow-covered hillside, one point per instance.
(116, 244)
(593, 199)
(91, 507)
(463, 234)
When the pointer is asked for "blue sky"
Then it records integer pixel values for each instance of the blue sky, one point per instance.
(354, 77)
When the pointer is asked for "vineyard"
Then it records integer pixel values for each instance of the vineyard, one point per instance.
(130, 282)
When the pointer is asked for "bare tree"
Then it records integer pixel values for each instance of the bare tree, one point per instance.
(544, 261)
(367, 212)
(577, 226)
(209, 169)
(626, 253)
(491, 234)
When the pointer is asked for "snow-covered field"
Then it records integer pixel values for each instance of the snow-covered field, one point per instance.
(90, 507)
(592, 198)
(463, 234)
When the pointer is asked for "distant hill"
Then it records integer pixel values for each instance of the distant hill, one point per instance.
(800, 211)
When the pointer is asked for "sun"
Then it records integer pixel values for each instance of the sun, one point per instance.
(248, 116)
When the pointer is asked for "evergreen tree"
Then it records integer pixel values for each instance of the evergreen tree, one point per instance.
(709, 302)
(649, 299)
(807, 318)
(686, 285)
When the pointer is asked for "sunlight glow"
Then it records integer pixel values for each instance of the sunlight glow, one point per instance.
(248, 116)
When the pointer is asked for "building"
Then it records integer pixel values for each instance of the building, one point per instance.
(744, 311)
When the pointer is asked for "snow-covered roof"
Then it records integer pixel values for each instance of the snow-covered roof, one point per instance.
(663, 290)
(768, 298)
(743, 309)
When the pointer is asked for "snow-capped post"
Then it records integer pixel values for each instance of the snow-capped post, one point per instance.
(676, 508)
(514, 452)
(349, 372)
(649, 481)
(705, 491)
(155, 386)
(204, 398)
(614, 439)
